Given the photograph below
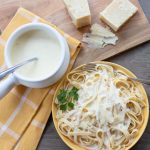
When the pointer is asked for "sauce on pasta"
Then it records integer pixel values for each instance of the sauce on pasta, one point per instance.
(108, 113)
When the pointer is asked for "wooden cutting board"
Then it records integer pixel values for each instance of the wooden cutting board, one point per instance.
(133, 33)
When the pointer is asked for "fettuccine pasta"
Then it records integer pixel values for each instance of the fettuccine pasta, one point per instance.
(108, 112)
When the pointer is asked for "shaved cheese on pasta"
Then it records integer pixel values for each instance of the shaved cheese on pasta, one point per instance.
(108, 113)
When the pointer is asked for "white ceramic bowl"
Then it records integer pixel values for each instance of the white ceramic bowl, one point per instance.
(52, 78)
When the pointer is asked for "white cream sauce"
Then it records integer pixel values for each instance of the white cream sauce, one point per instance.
(36, 43)
(105, 95)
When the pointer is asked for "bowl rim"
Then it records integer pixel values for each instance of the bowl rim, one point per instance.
(30, 27)
(73, 145)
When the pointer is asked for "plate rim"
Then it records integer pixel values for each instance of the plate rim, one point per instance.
(73, 145)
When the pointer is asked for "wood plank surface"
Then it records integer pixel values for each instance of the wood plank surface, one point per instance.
(133, 33)
(138, 61)
(136, 31)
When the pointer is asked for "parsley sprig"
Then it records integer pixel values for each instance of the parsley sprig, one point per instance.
(66, 98)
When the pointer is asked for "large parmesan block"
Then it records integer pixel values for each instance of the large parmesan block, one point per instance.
(117, 13)
(79, 12)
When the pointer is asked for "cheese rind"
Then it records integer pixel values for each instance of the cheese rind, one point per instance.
(117, 13)
(79, 12)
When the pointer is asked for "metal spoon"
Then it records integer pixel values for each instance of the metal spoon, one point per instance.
(12, 69)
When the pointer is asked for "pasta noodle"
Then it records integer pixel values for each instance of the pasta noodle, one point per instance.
(108, 113)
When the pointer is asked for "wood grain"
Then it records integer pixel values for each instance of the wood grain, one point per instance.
(133, 33)
(137, 60)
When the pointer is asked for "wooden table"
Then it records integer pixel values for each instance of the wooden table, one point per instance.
(137, 60)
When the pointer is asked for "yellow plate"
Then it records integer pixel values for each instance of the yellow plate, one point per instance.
(74, 146)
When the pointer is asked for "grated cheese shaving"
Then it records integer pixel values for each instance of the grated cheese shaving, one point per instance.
(99, 37)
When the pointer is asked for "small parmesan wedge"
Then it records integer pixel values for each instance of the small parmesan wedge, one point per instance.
(79, 12)
(99, 37)
(117, 13)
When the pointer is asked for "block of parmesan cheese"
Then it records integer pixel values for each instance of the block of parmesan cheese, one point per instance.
(79, 12)
(117, 13)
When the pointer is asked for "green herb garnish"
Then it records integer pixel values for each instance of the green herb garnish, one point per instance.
(71, 105)
(73, 93)
(62, 97)
(63, 107)
(66, 98)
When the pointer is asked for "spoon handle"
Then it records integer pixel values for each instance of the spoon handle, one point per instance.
(12, 69)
